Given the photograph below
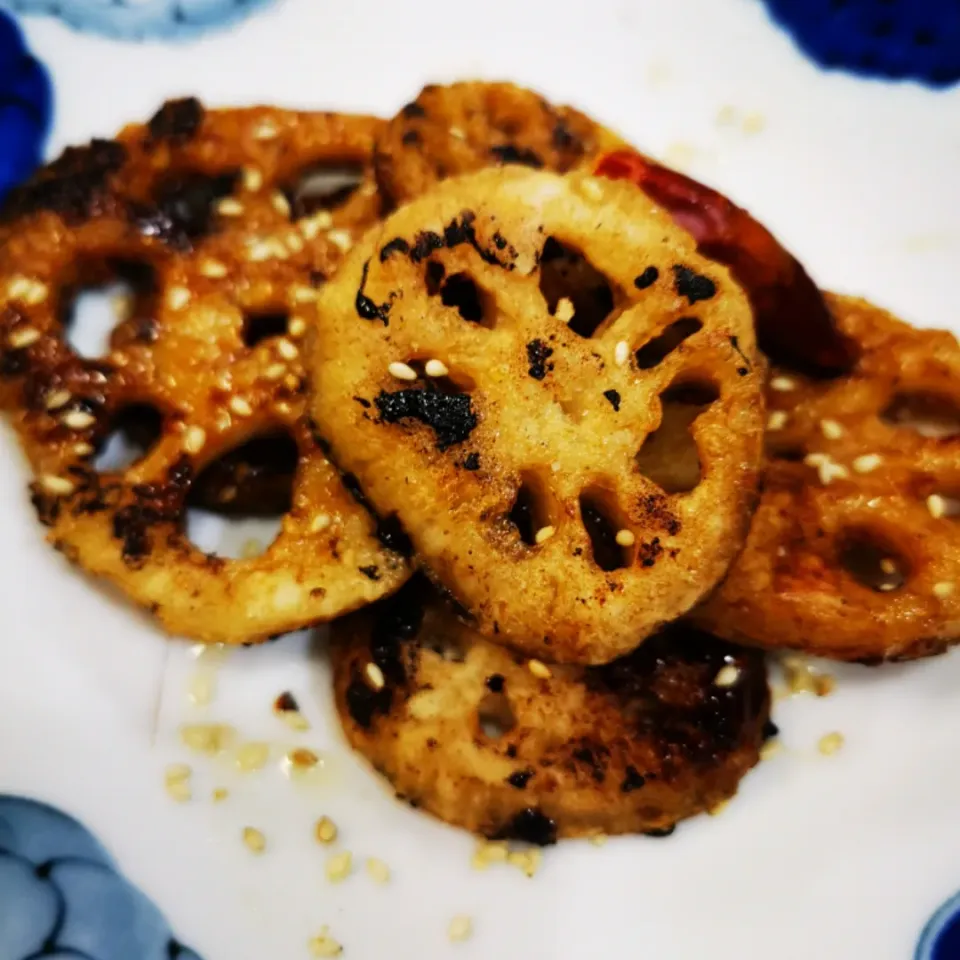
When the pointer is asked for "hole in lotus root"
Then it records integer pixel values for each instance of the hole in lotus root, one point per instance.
(928, 414)
(188, 202)
(669, 456)
(530, 511)
(566, 274)
(258, 327)
(105, 294)
(236, 505)
(655, 351)
(460, 292)
(601, 520)
(872, 562)
(133, 433)
(495, 715)
(784, 451)
(323, 186)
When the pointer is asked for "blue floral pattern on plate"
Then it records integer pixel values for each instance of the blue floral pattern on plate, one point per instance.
(61, 895)
(26, 104)
(940, 939)
(142, 19)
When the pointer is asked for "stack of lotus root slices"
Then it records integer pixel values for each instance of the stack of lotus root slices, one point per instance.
(568, 439)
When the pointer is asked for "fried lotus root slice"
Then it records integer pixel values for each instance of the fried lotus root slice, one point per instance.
(465, 730)
(463, 127)
(188, 363)
(556, 396)
(794, 326)
(854, 552)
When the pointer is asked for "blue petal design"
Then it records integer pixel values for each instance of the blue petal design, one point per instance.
(29, 908)
(940, 939)
(143, 19)
(26, 105)
(59, 955)
(39, 833)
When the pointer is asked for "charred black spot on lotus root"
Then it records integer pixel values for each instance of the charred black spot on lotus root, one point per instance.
(694, 286)
(564, 139)
(391, 534)
(364, 703)
(471, 461)
(177, 121)
(770, 730)
(537, 355)
(632, 780)
(410, 138)
(264, 325)
(520, 778)
(47, 507)
(648, 552)
(152, 505)
(530, 826)
(646, 279)
(413, 109)
(511, 153)
(661, 832)
(449, 415)
(364, 402)
(655, 351)
(368, 309)
(566, 274)
(73, 186)
(495, 682)
(371, 572)
(183, 208)
(396, 245)
(614, 397)
(747, 366)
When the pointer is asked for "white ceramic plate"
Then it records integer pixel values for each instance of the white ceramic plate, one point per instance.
(836, 858)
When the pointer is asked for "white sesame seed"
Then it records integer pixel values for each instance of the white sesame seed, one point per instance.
(544, 534)
(591, 189)
(526, 860)
(178, 298)
(457, 133)
(460, 929)
(23, 337)
(936, 505)
(339, 866)
(240, 407)
(374, 676)
(27, 290)
(830, 471)
(311, 227)
(888, 566)
(489, 851)
(301, 759)
(58, 399)
(291, 382)
(259, 249)
(783, 384)
(777, 420)
(323, 945)
(286, 349)
(252, 179)
(727, 676)
(436, 368)
(625, 538)
(213, 268)
(402, 371)
(274, 372)
(887, 587)
(58, 486)
(379, 872)
(208, 738)
(303, 294)
(230, 207)
(194, 439)
(297, 326)
(599, 839)
(325, 830)
(320, 522)
(831, 429)
(280, 203)
(754, 122)
(82, 449)
(621, 353)
(539, 669)
(867, 463)
(252, 757)
(264, 130)
(219, 794)
(200, 689)
(78, 420)
(177, 782)
(943, 589)
(830, 743)
(254, 840)
(565, 310)
(341, 239)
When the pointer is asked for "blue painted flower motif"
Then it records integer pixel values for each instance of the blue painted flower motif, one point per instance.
(142, 19)
(940, 939)
(893, 39)
(26, 103)
(62, 897)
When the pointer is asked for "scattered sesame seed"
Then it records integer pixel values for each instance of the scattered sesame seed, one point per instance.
(58, 486)
(240, 407)
(82, 449)
(294, 719)
(311, 227)
(177, 782)
(867, 463)
(230, 207)
(339, 866)
(194, 439)
(274, 372)
(294, 242)
(28, 291)
(78, 420)
(402, 371)
(58, 399)
(325, 830)
(754, 123)
(824, 684)
(379, 872)
(783, 384)
(831, 429)
(220, 794)
(887, 587)
(718, 808)
(457, 133)
(341, 239)
(830, 743)
(287, 350)
(777, 420)
(178, 298)
(201, 689)
(302, 294)
(254, 839)
(827, 470)
(887, 565)
(436, 368)
(726, 116)
(936, 505)
(302, 759)
(943, 589)
(375, 676)
(460, 929)
(281, 205)
(539, 669)
(599, 839)
(591, 189)
(252, 757)
(252, 179)
(23, 337)
(292, 382)
(544, 534)
(625, 538)
(260, 249)
(208, 738)
(527, 860)
(565, 311)
(320, 522)
(488, 852)
(727, 676)
(621, 353)
(213, 269)
(265, 130)
(323, 945)
(298, 326)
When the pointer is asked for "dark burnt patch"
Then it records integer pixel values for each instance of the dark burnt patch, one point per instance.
(537, 355)
(397, 621)
(495, 682)
(512, 153)
(565, 140)
(660, 832)
(647, 278)
(425, 243)
(391, 534)
(649, 552)
(413, 109)
(368, 309)
(632, 780)
(365, 703)
(449, 415)
(656, 510)
(471, 461)
(411, 138)
(371, 572)
(520, 778)
(614, 397)
(286, 703)
(529, 826)
(694, 286)
(396, 245)
(184, 207)
(177, 121)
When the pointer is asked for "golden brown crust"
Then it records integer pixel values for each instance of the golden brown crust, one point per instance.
(465, 730)
(863, 567)
(463, 127)
(193, 199)
(533, 410)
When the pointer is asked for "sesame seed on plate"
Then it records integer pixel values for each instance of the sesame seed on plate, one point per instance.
(402, 371)
(339, 867)
(379, 872)
(253, 756)
(323, 945)
(177, 782)
(325, 830)
(208, 738)
(460, 929)
(830, 743)
(254, 840)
